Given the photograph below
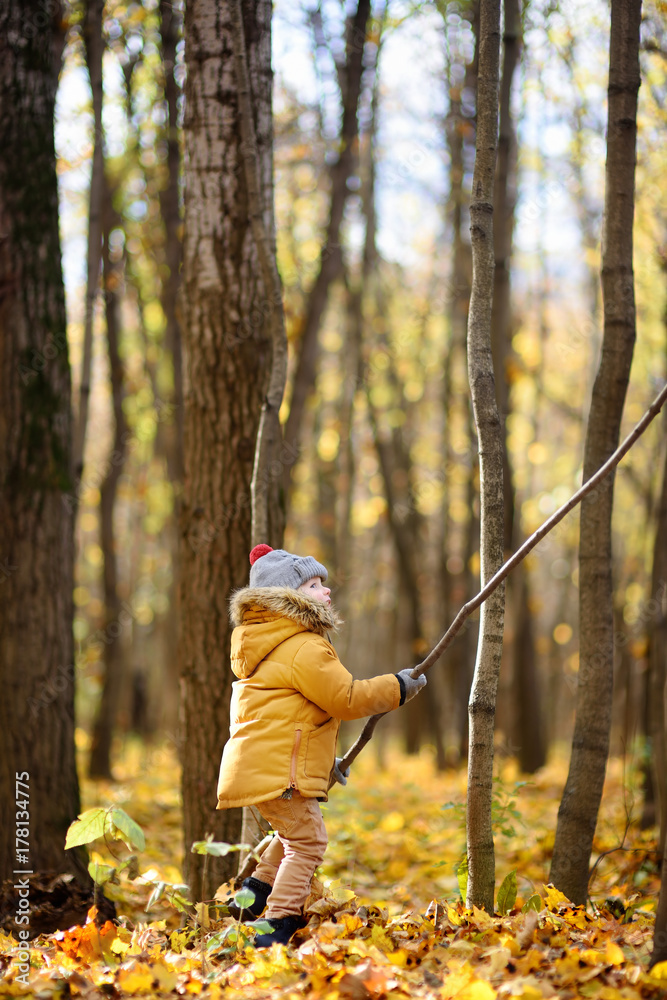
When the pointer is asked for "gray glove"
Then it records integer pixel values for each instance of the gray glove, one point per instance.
(412, 685)
(340, 776)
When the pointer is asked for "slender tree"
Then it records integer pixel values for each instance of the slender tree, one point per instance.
(330, 262)
(112, 653)
(36, 475)
(94, 48)
(577, 815)
(481, 858)
(227, 353)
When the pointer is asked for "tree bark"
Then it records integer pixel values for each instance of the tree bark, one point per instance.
(525, 694)
(94, 46)
(577, 815)
(227, 354)
(37, 673)
(267, 515)
(113, 659)
(171, 217)
(657, 666)
(481, 859)
(330, 264)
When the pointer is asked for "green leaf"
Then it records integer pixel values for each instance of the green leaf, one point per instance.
(217, 848)
(534, 903)
(87, 828)
(100, 873)
(461, 871)
(244, 898)
(157, 893)
(130, 830)
(507, 892)
(262, 926)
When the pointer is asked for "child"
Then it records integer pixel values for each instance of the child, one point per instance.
(285, 713)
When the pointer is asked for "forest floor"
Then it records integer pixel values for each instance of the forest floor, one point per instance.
(389, 920)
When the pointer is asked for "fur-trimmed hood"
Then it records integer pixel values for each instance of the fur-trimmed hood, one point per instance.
(264, 617)
(251, 604)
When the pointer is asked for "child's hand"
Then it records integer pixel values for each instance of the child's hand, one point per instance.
(413, 685)
(338, 775)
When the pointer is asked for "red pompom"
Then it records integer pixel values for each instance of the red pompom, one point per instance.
(258, 552)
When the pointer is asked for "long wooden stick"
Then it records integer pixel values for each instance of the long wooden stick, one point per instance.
(511, 563)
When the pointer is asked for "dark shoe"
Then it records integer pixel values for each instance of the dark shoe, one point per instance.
(283, 928)
(262, 891)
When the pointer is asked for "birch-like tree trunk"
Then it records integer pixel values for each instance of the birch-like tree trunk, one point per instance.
(94, 47)
(37, 673)
(577, 815)
(481, 858)
(227, 354)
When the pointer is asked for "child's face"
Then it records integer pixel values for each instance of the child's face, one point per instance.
(316, 589)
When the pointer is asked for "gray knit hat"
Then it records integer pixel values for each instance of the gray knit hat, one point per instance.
(278, 568)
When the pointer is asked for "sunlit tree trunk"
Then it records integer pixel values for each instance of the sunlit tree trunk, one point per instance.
(577, 815)
(37, 501)
(481, 859)
(94, 47)
(227, 353)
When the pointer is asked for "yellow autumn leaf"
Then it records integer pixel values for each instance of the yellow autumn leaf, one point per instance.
(120, 947)
(613, 954)
(177, 941)
(166, 978)
(400, 957)
(137, 980)
(659, 971)
(553, 898)
(591, 957)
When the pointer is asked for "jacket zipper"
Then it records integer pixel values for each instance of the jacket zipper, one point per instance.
(295, 754)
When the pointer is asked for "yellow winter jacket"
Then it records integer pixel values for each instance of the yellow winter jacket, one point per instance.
(289, 700)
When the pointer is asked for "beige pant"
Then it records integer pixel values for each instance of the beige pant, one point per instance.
(288, 863)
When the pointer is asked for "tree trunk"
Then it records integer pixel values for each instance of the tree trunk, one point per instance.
(113, 659)
(577, 815)
(171, 217)
(458, 586)
(330, 265)
(657, 666)
(267, 513)
(227, 353)
(94, 46)
(525, 695)
(36, 478)
(481, 859)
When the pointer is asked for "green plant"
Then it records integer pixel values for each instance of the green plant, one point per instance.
(234, 937)
(114, 825)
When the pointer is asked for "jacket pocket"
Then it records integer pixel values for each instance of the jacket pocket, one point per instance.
(321, 750)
